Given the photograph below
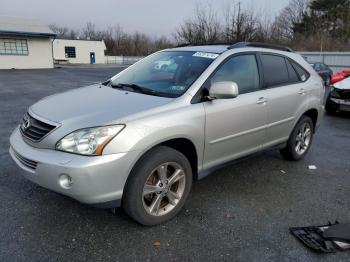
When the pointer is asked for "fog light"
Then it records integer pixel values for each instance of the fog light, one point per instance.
(65, 181)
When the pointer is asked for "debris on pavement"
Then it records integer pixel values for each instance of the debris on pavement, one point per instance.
(228, 216)
(312, 167)
(325, 239)
(283, 172)
(156, 244)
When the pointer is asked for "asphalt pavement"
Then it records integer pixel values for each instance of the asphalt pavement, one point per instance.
(239, 213)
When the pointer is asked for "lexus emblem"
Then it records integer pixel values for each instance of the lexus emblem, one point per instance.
(26, 124)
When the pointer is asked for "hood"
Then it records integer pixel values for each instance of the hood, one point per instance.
(95, 105)
(344, 84)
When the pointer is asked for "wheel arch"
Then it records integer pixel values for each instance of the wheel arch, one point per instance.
(182, 144)
(313, 114)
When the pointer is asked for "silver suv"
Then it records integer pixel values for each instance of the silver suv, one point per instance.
(139, 139)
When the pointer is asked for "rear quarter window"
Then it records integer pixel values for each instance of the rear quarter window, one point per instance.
(302, 73)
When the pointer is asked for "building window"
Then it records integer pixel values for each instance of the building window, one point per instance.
(13, 46)
(70, 51)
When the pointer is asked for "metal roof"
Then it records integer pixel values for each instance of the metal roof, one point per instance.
(23, 27)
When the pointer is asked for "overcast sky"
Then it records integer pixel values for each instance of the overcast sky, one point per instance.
(157, 17)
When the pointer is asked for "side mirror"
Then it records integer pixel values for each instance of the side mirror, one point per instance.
(223, 90)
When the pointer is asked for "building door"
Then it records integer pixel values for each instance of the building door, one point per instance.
(92, 58)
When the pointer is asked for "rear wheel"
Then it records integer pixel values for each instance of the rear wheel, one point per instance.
(158, 186)
(300, 140)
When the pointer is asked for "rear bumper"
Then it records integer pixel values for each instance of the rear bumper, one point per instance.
(96, 180)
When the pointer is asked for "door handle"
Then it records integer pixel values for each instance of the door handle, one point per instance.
(262, 100)
(302, 92)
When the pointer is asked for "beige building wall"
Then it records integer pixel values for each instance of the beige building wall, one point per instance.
(82, 50)
(39, 55)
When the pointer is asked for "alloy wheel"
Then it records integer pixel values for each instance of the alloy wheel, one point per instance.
(303, 138)
(163, 189)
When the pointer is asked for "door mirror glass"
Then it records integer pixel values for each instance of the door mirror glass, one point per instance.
(223, 90)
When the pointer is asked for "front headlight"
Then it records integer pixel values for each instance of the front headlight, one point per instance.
(89, 141)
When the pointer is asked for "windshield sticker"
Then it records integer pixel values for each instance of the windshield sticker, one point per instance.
(177, 88)
(206, 55)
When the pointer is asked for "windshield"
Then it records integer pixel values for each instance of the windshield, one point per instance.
(167, 73)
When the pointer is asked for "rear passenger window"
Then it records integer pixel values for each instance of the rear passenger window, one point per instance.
(302, 73)
(293, 76)
(275, 70)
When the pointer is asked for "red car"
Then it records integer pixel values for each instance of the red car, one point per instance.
(340, 76)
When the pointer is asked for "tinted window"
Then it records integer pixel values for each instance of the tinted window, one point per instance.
(293, 76)
(324, 67)
(302, 73)
(240, 69)
(317, 67)
(275, 70)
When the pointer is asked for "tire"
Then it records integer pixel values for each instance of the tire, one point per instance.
(146, 185)
(330, 107)
(290, 152)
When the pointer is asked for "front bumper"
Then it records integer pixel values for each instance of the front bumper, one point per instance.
(96, 180)
(343, 104)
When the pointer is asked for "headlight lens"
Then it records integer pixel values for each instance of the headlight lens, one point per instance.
(89, 141)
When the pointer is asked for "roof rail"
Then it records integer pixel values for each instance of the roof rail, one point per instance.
(203, 44)
(262, 45)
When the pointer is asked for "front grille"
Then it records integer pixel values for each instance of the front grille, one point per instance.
(25, 161)
(35, 129)
(341, 93)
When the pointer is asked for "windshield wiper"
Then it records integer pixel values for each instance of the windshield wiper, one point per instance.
(141, 89)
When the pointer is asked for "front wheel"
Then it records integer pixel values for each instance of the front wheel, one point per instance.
(300, 140)
(158, 186)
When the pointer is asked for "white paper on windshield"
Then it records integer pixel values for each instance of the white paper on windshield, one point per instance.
(206, 55)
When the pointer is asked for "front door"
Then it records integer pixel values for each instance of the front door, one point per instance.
(235, 127)
(92, 58)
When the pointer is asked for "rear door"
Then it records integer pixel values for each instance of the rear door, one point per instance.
(286, 93)
(235, 127)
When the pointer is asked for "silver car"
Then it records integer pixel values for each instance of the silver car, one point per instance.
(139, 139)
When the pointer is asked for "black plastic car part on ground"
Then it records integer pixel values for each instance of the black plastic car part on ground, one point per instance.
(326, 239)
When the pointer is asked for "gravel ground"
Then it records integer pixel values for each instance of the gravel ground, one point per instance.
(240, 213)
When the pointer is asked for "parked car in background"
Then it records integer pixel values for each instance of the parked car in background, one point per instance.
(139, 139)
(324, 71)
(339, 97)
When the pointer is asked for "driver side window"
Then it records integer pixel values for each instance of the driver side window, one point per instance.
(243, 70)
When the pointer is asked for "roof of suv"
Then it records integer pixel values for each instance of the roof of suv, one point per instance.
(219, 49)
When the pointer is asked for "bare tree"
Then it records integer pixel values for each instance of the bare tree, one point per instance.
(203, 28)
(61, 32)
(283, 27)
(240, 24)
(89, 32)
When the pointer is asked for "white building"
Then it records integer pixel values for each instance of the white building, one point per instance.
(79, 51)
(25, 44)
